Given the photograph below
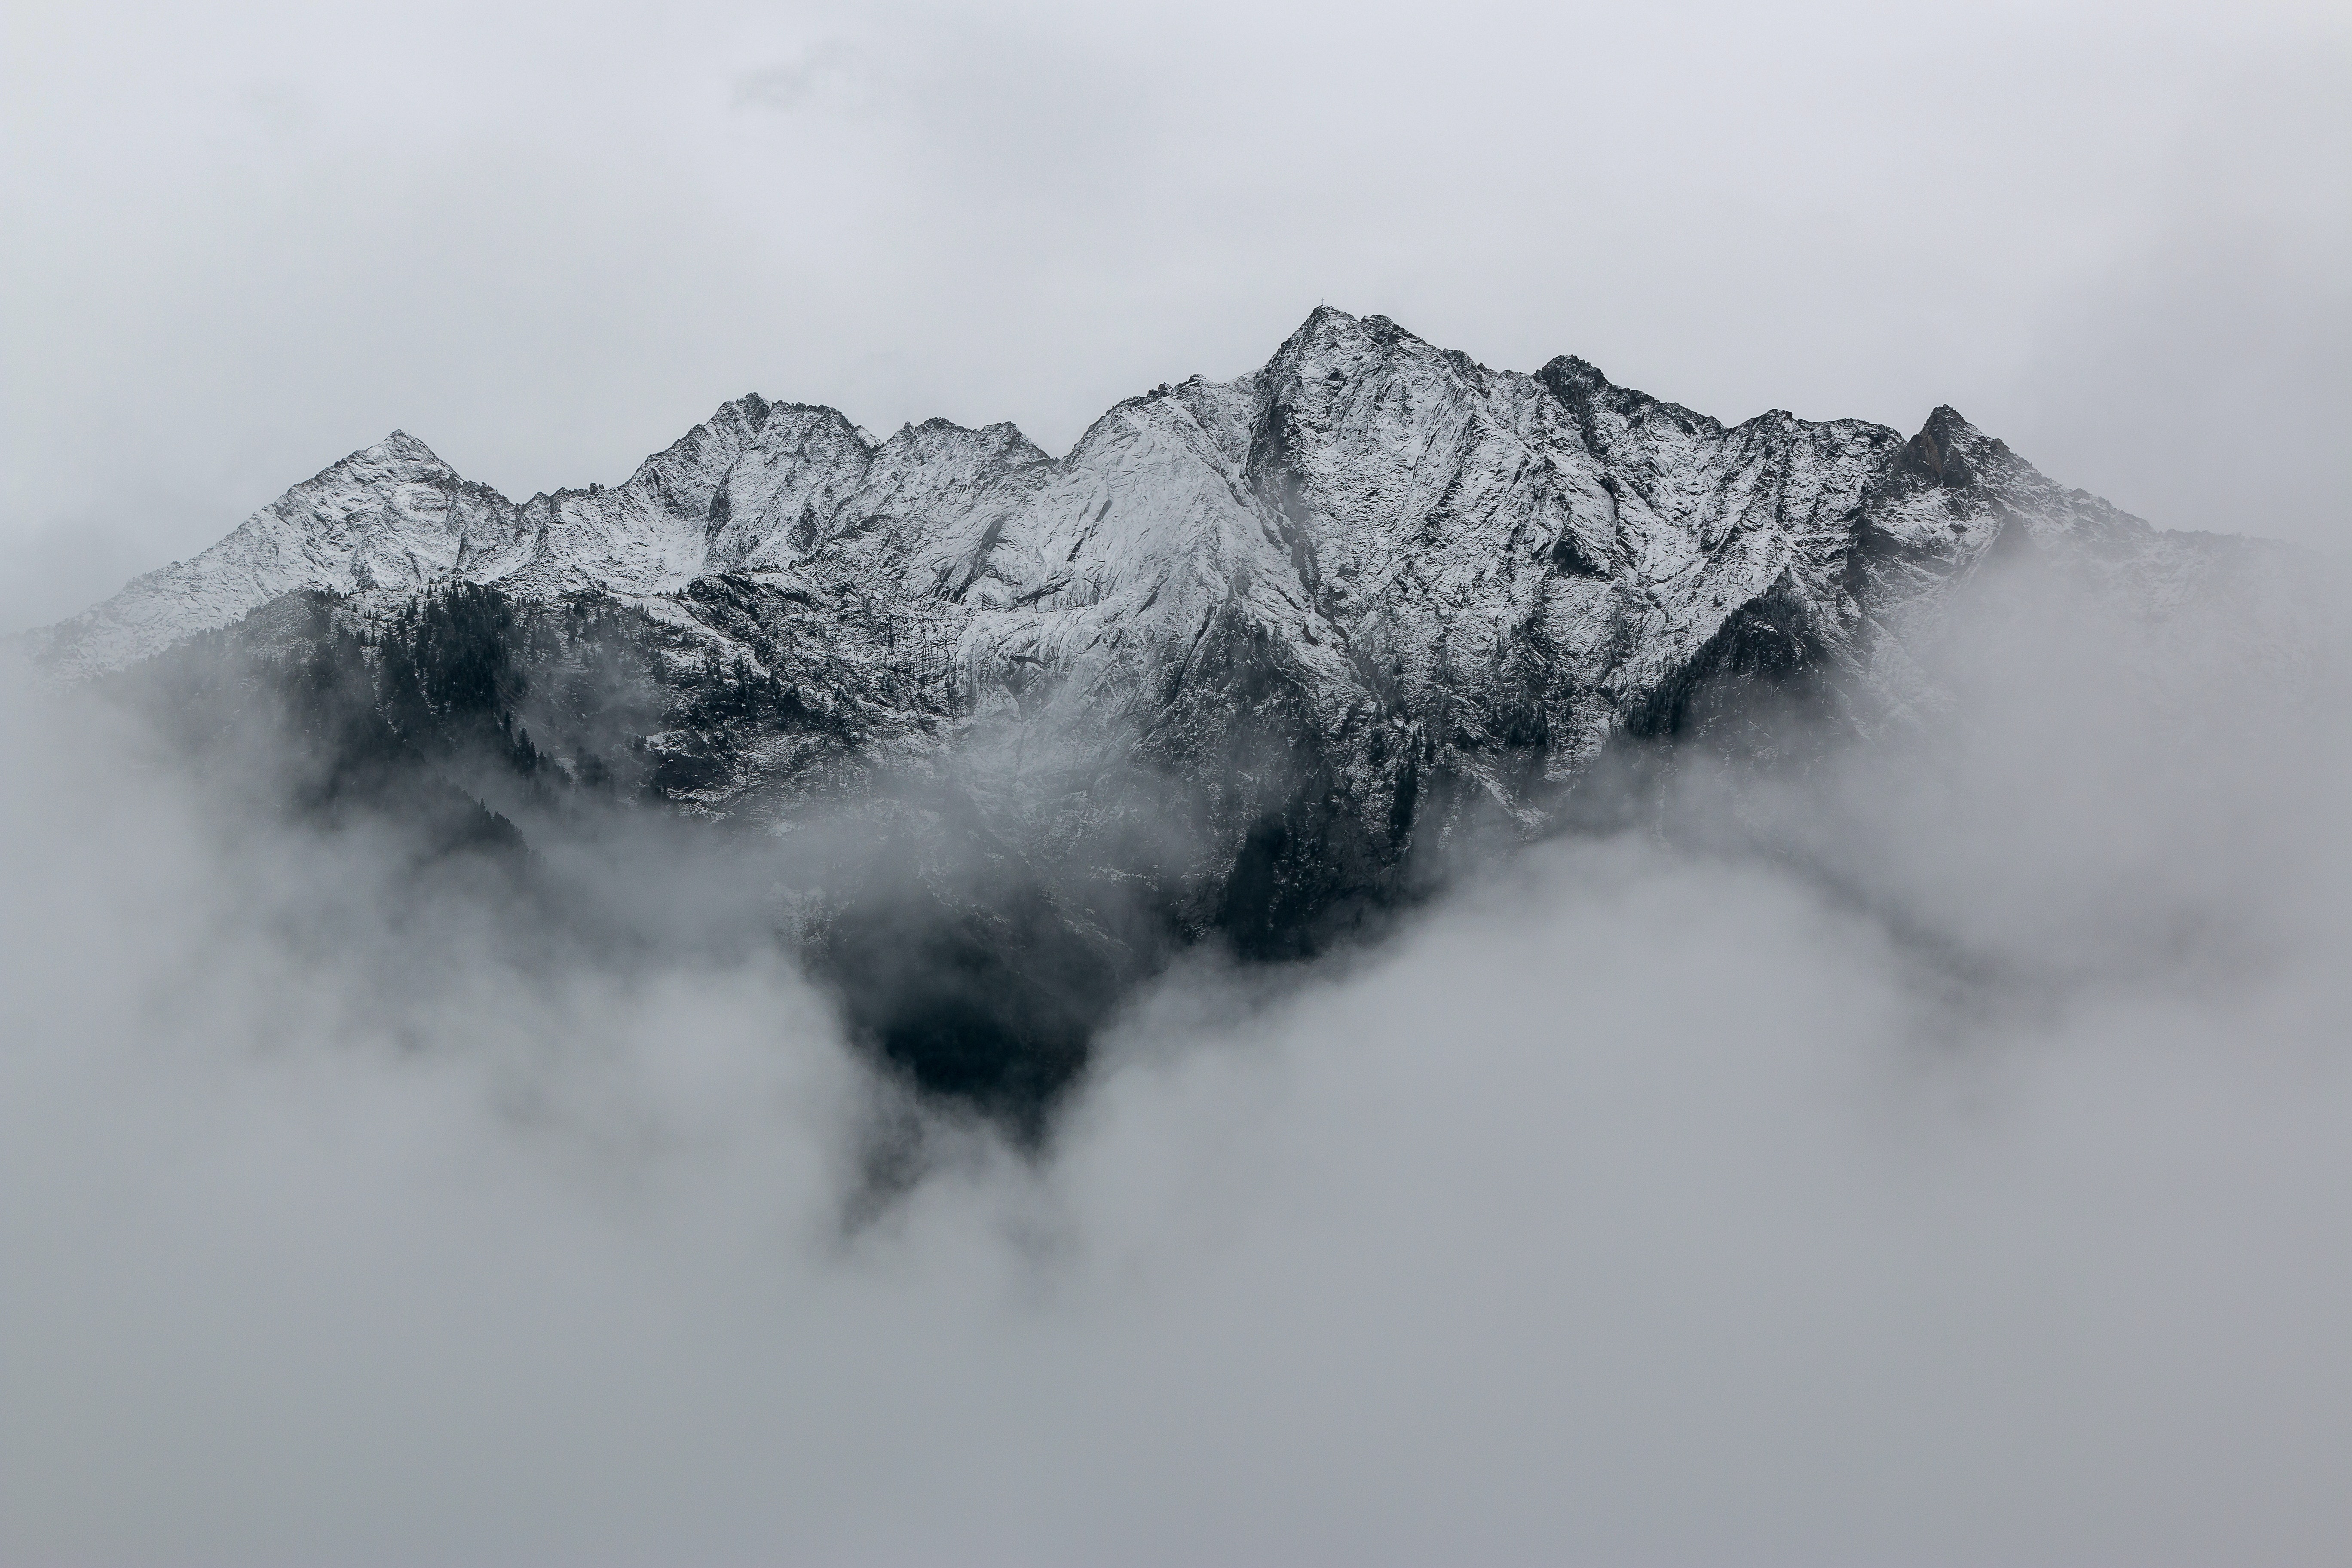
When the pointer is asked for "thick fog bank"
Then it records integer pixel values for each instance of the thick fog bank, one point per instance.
(1935, 1155)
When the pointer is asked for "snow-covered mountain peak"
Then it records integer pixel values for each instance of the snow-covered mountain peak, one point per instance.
(1331, 345)
(1364, 489)
(400, 447)
(1251, 659)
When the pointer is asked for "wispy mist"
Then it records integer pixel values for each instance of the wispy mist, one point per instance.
(1934, 1153)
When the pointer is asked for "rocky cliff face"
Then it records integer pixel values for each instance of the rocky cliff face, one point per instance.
(1235, 667)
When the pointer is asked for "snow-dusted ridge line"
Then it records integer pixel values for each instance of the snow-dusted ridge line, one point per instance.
(1395, 516)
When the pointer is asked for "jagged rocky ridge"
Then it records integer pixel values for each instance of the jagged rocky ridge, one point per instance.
(1240, 666)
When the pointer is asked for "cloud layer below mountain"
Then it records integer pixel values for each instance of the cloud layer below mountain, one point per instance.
(1961, 1179)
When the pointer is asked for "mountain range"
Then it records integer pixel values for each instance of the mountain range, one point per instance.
(1246, 666)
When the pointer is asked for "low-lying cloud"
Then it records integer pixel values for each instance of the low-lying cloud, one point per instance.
(1943, 1163)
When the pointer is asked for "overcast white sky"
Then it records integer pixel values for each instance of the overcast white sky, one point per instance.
(245, 239)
